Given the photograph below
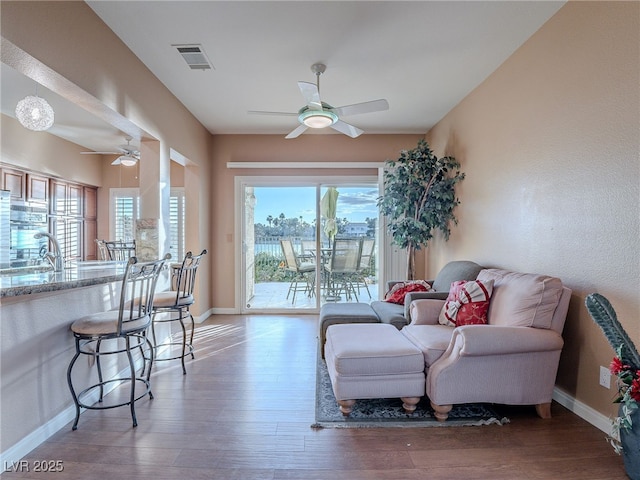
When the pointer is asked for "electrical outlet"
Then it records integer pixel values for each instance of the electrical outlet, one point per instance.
(605, 377)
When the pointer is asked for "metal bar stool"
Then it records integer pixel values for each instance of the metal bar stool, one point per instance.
(175, 304)
(125, 327)
(103, 253)
(121, 251)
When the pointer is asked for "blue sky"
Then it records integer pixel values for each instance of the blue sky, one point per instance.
(354, 203)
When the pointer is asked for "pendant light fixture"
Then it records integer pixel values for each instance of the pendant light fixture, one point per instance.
(34, 113)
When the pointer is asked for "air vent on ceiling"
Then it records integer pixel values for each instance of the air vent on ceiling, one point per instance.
(194, 56)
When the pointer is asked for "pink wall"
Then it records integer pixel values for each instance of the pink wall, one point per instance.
(275, 148)
(47, 154)
(549, 145)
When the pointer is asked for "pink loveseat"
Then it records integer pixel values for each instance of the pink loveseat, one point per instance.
(511, 360)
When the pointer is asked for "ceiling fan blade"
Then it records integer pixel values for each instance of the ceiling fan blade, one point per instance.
(347, 129)
(297, 132)
(311, 95)
(99, 153)
(262, 112)
(364, 107)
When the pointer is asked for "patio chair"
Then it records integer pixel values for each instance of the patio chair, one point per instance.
(308, 249)
(364, 264)
(303, 272)
(342, 268)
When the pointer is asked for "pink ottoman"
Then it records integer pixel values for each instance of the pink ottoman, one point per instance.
(373, 360)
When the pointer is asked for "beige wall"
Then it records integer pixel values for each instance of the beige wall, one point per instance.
(47, 154)
(275, 148)
(177, 175)
(549, 145)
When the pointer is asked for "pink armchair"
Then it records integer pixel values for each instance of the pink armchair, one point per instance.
(511, 360)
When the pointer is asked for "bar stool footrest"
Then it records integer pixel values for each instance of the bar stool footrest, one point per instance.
(100, 406)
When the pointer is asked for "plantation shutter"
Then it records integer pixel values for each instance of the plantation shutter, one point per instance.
(125, 203)
(125, 212)
(68, 232)
(177, 224)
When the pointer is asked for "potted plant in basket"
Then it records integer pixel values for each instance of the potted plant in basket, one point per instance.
(626, 367)
(419, 197)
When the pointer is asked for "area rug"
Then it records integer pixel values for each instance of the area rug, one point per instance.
(388, 412)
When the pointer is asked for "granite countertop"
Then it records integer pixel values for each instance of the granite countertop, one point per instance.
(76, 274)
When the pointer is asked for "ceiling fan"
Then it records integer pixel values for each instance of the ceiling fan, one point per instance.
(129, 154)
(318, 114)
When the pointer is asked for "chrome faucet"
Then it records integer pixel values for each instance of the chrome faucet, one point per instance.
(58, 261)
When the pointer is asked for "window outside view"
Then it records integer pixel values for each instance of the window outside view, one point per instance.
(284, 264)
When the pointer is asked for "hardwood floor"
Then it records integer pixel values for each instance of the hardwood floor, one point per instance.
(244, 410)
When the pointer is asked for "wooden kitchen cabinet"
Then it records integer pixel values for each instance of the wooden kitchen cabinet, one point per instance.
(75, 200)
(37, 188)
(66, 198)
(58, 197)
(16, 182)
(73, 208)
(90, 202)
(90, 235)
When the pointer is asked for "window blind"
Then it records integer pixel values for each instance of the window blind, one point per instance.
(177, 222)
(125, 212)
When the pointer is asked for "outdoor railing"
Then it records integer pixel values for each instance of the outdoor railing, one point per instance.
(269, 259)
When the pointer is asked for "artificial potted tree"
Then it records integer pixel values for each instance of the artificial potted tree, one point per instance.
(419, 198)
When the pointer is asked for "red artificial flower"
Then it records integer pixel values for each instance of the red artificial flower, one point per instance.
(617, 366)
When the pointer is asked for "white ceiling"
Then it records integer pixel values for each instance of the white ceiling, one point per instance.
(422, 56)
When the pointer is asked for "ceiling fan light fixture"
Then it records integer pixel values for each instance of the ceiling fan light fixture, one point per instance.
(128, 160)
(34, 113)
(318, 118)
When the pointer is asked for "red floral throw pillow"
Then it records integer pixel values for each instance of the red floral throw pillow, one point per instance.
(399, 290)
(467, 303)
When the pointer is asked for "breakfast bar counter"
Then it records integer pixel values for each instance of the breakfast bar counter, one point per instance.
(26, 281)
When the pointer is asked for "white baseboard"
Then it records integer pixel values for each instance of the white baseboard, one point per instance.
(585, 412)
(204, 316)
(224, 311)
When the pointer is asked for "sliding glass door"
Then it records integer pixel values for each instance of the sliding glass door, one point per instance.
(289, 255)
